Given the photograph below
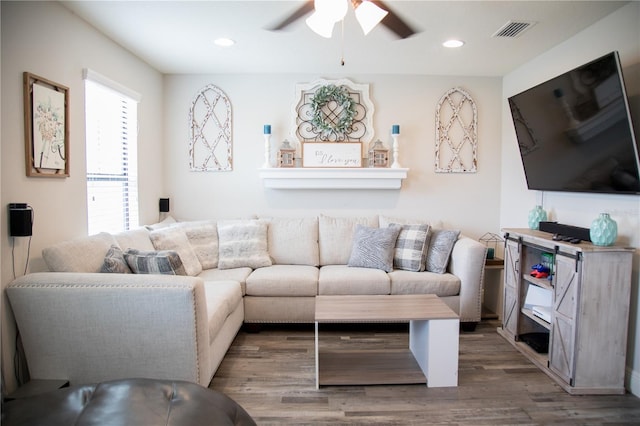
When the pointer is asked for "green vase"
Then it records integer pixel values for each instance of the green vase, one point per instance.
(536, 216)
(603, 230)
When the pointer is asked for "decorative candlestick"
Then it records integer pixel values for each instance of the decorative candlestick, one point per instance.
(267, 146)
(395, 132)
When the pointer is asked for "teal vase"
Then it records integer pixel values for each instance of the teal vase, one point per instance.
(603, 230)
(536, 216)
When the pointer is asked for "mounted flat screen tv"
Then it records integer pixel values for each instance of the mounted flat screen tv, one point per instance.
(575, 132)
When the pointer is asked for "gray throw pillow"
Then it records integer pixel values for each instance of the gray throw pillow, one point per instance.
(374, 247)
(440, 247)
(114, 262)
(411, 247)
(165, 262)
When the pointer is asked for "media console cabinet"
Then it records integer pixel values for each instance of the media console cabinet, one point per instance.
(582, 343)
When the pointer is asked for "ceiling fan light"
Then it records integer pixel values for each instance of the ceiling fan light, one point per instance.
(320, 25)
(369, 15)
(333, 10)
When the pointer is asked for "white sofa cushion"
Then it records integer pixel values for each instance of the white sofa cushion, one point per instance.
(343, 279)
(235, 274)
(293, 241)
(283, 280)
(242, 243)
(222, 297)
(84, 254)
(135, 238)
(173, 238)
(335, 235)
(203, 237)
(409, 282)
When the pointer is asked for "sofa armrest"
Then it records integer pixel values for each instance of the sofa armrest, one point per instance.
(91, 327)
(467, 263)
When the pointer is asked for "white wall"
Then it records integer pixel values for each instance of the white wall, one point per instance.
(619, 31)
(44, 38)
(465, 201)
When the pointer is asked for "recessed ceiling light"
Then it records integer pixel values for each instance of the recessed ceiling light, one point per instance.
(224, 42)
(453, 43)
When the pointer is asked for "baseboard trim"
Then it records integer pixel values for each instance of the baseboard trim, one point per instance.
(633, 381)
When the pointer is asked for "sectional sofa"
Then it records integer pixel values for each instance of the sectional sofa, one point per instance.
(167, 300)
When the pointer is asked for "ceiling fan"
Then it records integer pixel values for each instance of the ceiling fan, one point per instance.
(327, 12)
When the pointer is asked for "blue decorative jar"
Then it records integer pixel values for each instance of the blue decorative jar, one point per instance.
(604, 230)
(536, 216)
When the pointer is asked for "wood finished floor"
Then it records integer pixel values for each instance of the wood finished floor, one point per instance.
(272, 375)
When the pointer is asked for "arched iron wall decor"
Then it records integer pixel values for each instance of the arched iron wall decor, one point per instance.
(210, 131)
(333, 111)
(456, 133)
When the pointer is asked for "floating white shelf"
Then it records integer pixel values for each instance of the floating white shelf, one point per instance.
(333, 178)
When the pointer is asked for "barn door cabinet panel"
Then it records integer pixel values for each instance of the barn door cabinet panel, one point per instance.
(511, 279)
(572, 324)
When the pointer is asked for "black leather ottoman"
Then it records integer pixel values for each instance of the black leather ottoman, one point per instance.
(131, 402)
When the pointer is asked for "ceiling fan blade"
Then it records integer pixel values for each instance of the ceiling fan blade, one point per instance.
(394, 22)
(306, 8)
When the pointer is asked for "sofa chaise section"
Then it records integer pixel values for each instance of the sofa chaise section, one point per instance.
(88, 327)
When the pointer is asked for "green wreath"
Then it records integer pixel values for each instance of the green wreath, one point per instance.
(340, 95)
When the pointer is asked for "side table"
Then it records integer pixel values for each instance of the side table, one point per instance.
(492, 295)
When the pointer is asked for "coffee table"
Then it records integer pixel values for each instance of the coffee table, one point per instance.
(433, 341)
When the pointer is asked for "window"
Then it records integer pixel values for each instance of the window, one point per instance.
(112, 165)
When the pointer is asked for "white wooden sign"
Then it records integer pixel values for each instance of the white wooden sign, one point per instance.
(332, 154)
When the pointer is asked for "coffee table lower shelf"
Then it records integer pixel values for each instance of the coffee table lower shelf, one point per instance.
(432, 355)
(369, 367)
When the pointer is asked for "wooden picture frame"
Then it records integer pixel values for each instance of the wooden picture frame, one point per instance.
(46, 127)
(332, 154)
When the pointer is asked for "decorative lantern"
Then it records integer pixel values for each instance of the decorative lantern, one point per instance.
(491, 240)
(378, 155)
(286, 155)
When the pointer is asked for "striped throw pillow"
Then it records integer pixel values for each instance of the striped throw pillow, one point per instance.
(165, 262)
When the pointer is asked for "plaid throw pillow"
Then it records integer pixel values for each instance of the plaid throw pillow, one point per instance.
(411, 247)
(165, 262)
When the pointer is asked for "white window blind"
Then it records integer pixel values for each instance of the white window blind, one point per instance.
(112, 172)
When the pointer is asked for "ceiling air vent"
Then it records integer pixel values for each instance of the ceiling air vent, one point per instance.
(513, 29)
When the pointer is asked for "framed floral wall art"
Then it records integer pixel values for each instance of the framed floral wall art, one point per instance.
(46, 127)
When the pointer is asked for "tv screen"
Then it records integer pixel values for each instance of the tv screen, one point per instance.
(575, 133)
